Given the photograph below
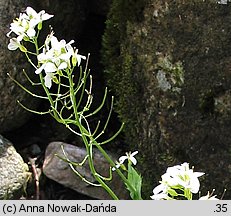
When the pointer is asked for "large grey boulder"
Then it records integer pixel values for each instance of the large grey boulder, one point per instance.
(13, 171)
(59, 171)
(168, 62)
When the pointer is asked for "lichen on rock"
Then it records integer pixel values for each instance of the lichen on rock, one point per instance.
(13, 171)
(169, 76)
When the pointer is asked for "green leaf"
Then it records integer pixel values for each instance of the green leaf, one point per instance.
(135, 185)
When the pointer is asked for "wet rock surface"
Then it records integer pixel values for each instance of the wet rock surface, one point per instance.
(13, 171)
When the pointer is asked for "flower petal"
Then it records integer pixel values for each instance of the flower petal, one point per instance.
(160, 196)
(48, 80)
(160, 188)
(39, 70)
(50, 67)
(31, 32)
(133, 160)
(31, 12)
(46, 16)
(79, 57)
(198, 174)
(122, 159)
(194, 185)
(63, 65)
(134, 153)
(14, 44)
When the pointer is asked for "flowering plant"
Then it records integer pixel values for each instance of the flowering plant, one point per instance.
(179, 182)
(55, 62)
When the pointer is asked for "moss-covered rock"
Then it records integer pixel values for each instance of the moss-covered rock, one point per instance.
(168, 63)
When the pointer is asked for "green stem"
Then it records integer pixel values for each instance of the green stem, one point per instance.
(108, 158)
(87, 144)
(83, 131)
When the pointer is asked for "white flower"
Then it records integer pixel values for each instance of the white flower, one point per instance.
(48, 79)
(183, 176)
(79, 57)
(56, 56)
(14, 44)
(190, 180)
(35, 17)
(50, 67)
(208, 197)
(76, 58)
(24, 26)
(160, 192)
(116, 166)
(129, 156)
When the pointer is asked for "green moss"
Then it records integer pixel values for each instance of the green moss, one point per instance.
(120, 60)
(117, 60)
(119, 64)
(206, 102)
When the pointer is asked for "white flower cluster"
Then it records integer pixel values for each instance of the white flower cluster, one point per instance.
(177, 177)
(24, 26)
(56, 55)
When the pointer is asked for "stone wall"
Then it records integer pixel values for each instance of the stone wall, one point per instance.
(168, 63)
